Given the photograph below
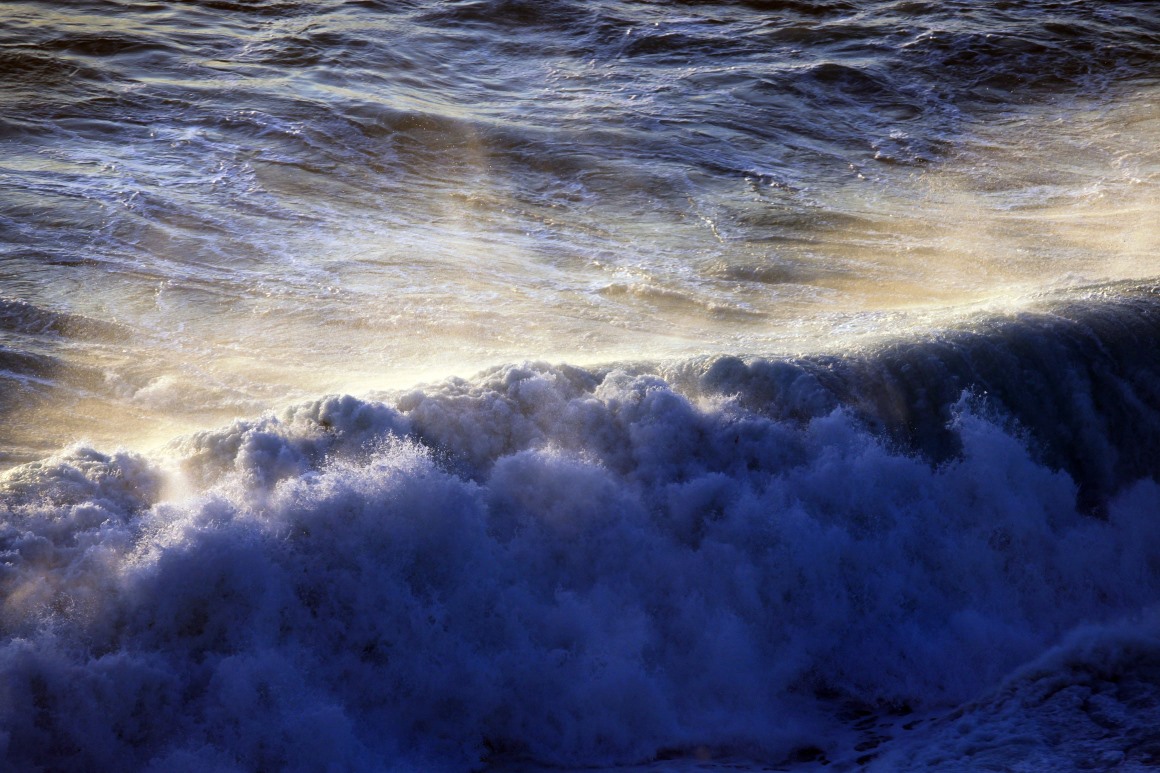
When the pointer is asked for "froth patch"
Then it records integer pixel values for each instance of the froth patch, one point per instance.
(1090, 703)
(542, 563)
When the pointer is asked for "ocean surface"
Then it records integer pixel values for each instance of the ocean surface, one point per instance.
(527, 385)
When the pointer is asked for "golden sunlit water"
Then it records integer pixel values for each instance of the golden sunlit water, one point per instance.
(361, 296)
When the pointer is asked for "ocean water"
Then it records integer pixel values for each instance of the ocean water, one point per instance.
(500, 385)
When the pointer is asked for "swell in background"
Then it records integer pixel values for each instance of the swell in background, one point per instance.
(213, 209)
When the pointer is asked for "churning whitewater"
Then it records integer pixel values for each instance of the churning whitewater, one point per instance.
(487, 385)
(588, 568)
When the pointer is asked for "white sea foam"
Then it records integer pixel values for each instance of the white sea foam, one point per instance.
(578, 568)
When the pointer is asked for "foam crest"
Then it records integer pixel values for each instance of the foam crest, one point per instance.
(574, 567)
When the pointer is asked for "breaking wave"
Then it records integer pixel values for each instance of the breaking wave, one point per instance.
(592, 567)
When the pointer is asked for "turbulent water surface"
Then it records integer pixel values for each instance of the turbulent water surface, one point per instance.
(496, 384)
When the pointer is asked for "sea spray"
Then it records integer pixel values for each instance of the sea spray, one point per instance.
(575, 567)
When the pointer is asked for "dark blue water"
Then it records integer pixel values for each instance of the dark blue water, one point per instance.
(507, 385)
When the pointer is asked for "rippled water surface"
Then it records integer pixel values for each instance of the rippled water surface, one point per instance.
(215, 208)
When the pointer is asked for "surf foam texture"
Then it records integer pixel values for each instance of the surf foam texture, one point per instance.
(587, 568)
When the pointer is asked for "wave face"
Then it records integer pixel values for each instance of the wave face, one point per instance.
(583, 568)
(1081, 381)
